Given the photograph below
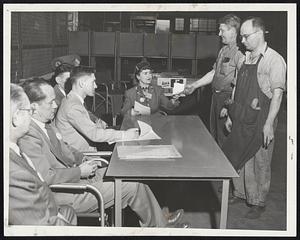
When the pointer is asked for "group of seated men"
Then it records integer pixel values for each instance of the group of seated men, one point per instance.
(46, 147)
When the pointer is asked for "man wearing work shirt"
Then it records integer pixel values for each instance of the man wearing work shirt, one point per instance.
(257, 98)
(223, 74)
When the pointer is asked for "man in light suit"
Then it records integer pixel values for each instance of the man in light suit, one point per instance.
(26, 186)
(59, 81)
(72, 118)
(62, 163)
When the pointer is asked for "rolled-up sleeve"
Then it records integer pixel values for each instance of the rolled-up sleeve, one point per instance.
(277, 73)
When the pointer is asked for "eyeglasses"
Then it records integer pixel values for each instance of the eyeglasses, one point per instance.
(27, 109)
(246, 36)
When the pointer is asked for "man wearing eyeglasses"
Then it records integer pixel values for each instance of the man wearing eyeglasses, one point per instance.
(31, 202)
(58, 162)
(257, 98)
(222, 76)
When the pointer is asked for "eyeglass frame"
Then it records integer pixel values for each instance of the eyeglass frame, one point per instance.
(30, 110)
(246, 36)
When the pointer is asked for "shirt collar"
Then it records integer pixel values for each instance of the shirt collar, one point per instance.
(62, 90)
(80, 98)
(262, 49)
(39, 123)
(15, 147)
(231, 45)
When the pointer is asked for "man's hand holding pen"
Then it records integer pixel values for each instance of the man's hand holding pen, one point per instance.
(132, 133)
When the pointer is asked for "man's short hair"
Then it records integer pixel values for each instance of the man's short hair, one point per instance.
(232, 21)
(33, 90)
(17, 95)
(257, 23)
(78, 72)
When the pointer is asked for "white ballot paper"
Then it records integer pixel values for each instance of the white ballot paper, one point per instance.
(147, 133)
(148, 151)
(144, 110)
(178, 88)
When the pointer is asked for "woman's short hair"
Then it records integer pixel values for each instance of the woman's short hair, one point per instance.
(143, 65)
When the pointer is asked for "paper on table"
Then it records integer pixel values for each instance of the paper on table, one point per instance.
(147, 133)
(148, 151)
(144, 110)
(178, 88)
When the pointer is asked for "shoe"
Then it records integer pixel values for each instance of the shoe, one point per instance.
(173, 217)
(255, 212)
(179, 225)
(233, 199)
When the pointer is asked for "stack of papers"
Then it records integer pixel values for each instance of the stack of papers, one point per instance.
(148, 151)
(143, 110)
(178, 88)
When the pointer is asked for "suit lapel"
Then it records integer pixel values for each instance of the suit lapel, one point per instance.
(21, 162)
(73, 98)
(41, 132)
(52, 148)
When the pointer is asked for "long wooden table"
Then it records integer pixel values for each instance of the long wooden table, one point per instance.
(202, 158)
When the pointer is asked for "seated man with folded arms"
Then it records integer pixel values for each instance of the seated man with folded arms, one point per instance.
(31, 201)
(59, 163)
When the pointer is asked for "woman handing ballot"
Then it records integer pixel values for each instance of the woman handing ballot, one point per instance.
(146, 98)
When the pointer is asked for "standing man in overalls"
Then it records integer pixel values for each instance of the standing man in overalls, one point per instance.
(223, 75)
(257, 98)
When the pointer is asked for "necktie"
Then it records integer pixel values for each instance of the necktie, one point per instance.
(28, 160)
(56, 146)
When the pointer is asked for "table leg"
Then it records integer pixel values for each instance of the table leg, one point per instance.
(224, 204)
(118, 202)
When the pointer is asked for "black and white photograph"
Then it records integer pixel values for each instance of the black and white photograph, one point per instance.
(150, 119)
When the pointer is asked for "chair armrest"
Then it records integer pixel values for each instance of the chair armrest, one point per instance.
(75, 187)
(99, 153)
(162, 113)
(101, 160)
